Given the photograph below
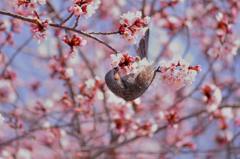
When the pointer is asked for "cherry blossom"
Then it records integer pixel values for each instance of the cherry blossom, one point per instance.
(125, 83)
(178, 73)
(128, 64)
(222, 138)
(122, 119)
(146, 128)
(170, 116)
(84, 7)
(90, 89)
(39, 28)
(7, 93)
(132, 25)
(212, 96)
(27, 3)
(227, 49)
(74, 41)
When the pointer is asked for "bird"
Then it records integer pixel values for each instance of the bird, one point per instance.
(133, 85)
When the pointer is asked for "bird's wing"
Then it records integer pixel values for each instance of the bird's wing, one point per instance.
(143, 45)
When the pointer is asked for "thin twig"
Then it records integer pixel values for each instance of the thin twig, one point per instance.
(65, 20)
(104, 33)
(30, 20)
(18, 51)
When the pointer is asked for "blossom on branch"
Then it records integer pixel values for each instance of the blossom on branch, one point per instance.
(178, 73)
(89, 90)
(74, 41)
(39, 28)
(132, 24)
(84, 7)
(128, 64)
(225, 49)
(212, 97)
(146, 128)
(122, 117)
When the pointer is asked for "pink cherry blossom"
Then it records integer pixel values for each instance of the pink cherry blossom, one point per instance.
(178, 73)
(39, 28)
(27, 3)
(74, 41)
(125, 83)
(132, 25)
(7, 93)
(146, 128)
(128, 64)
(212, 96)
(84, 7)
(228, 49)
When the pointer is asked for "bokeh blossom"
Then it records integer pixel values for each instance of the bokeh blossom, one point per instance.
(146, 128)
(39, 28)
(84, 7)
(58, 105)
(90, 89)
(225, 50)
(7, 94)
(74, 41)
(27, 3)
(212, 96)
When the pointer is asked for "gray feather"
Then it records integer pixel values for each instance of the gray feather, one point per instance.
(143, 45)
(131, 86)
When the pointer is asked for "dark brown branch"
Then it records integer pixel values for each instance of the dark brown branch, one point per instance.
(30, 20)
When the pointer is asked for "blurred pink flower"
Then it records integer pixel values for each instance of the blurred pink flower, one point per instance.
(27, 3)
(39, 29)
(226, 48)
(24, 154)
(212, 96)
(146, 128)
(122, 119)
(7, 94)
(74, 41)
(84, 7)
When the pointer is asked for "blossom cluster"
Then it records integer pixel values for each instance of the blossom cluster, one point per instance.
(84, 7)
(132, 24)
(39, 27)
(54, 105)
(89, 89)
(74, 41)
(124, 122)
(58, 68)
(178, 73)
(128, 64)
(170, 116)
(224, 25)
(228, 49)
